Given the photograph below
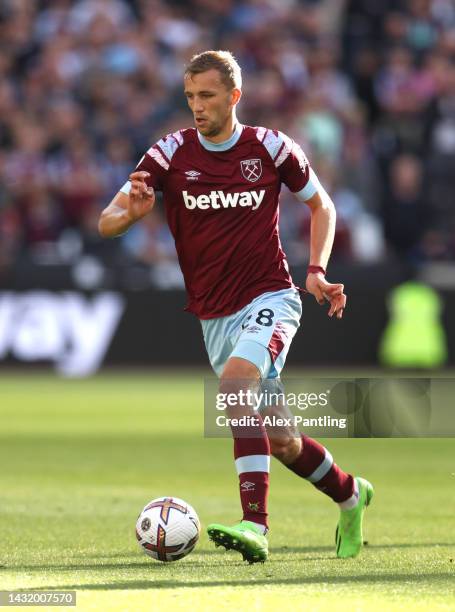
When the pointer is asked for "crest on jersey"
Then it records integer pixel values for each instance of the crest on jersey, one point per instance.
(251, 169)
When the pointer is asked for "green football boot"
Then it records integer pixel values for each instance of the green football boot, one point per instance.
(245, 537)
(348, 535)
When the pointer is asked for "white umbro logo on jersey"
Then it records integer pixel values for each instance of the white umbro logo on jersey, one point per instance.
(192, 175)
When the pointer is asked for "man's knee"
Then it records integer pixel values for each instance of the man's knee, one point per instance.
(286, 449)
(239, 373)
(239, 368)
(240, 379)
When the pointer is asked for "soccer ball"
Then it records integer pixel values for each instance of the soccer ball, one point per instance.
(167, 529)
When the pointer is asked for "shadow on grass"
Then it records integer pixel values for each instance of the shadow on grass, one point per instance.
(138, 561)
(305, 549)
(206, 551)
(301, 580)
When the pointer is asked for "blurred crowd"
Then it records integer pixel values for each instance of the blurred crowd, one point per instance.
(367, 88)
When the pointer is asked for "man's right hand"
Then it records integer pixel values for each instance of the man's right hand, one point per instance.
(141, 198)
(125, 210)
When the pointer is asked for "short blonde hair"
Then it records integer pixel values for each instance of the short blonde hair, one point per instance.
(223, 61)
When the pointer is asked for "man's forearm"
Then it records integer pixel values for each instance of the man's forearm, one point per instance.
(114, 221)
(323, 221)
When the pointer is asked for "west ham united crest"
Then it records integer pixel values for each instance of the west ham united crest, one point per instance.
(251, 169)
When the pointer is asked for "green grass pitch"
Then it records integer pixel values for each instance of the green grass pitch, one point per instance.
(79, 459)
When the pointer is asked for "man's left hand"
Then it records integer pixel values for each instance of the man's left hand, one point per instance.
(322, 290)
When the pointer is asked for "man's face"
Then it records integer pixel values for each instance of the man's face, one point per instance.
(210, 101)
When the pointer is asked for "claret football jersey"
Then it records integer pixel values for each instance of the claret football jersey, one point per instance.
(222, 207)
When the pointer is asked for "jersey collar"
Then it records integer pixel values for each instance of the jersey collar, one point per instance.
(221, 146)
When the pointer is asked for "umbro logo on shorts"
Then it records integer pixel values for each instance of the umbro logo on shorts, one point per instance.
(219, 199)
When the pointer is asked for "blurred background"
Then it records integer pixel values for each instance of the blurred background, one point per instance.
(367, 88)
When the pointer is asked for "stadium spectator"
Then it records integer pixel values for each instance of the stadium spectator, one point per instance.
(86, 86)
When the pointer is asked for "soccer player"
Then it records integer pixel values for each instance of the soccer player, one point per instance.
(221, 183)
